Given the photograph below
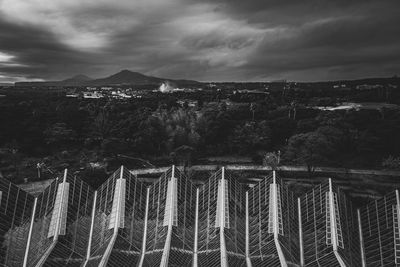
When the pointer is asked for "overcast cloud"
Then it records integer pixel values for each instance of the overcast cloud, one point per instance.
(232, 40)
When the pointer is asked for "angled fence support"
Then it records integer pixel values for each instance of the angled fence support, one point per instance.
(396, 227)
(118, 208)
(169, 215)
(146, 215)
(362, 249)
(247, 234)
(333, 224)
(276, 215)
(91, 229)
(300, 233)
(28, 243)
(221, 215)
(196, 229)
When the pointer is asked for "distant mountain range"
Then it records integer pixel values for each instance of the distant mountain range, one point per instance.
(127, 77)
(124, 77)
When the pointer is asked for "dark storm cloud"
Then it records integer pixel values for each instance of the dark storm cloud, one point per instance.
(206, 40)
(36, 53)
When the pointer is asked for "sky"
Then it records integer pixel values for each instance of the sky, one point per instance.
(205, 40)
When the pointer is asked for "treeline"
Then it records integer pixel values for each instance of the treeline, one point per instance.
(158, 130)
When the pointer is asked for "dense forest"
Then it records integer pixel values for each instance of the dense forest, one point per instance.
(44, 131)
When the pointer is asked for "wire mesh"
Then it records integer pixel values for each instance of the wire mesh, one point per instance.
(379, 224)
(317, 230)
(156, 232)
(70, 247)
(209, 253)
(40, 243)
(314, 224)
(182, 240)
(289, 240)
(16, 207)
(235, 234)
(262, 248)
(127, 248)
(101, 233)
(350, 251)
(378, 231)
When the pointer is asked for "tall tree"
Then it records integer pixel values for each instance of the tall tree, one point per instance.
(272, 160)
(310, 149)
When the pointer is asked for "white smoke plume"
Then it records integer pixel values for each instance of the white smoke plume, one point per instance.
(166, 87)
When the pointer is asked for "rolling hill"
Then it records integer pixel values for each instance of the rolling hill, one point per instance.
(124, 77)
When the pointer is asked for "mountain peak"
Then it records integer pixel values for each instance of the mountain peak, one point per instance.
(126, 71)
(123, 77)
(127, 77)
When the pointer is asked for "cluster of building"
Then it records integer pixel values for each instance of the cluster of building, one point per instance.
(123, 93)
(176, 222)
(105, 92)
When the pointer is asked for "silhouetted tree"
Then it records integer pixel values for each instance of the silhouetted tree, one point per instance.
(272, 160)
(310, 149)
